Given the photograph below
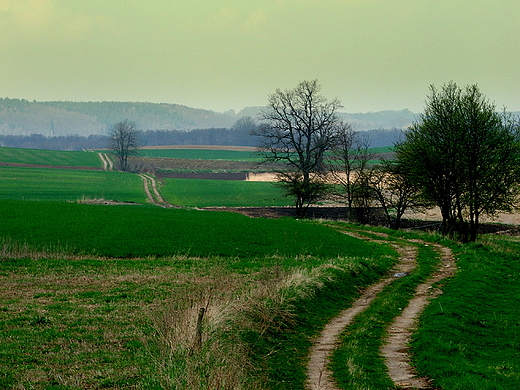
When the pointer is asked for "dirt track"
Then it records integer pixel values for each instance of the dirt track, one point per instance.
(395, 349)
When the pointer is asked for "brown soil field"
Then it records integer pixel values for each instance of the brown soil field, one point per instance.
(204, 147)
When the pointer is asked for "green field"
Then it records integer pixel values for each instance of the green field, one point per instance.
(222, 193)
(200, 154)
(84, 322)
(130, 231)
(71, 185)
(95, 296)
(49, 157)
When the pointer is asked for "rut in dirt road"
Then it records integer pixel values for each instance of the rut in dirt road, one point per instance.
(319, 377)
(152, 193)
(395, 351)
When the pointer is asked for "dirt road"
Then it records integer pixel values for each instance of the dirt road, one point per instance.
(152, 192)
(395, 351)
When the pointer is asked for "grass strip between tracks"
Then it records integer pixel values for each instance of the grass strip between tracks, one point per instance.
(357, 362)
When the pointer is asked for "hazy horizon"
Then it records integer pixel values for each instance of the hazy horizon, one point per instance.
(373, 55)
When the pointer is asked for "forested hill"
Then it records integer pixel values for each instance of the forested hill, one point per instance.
(22, 117)
(58, 118)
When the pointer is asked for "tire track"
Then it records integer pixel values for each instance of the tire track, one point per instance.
(108, 165)
(153, 196)
(395, 350)
(319, 376)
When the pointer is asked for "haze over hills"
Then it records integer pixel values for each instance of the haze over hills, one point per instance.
(61, 118)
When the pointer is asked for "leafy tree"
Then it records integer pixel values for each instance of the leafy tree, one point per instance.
(297, 129)
(124, 142)
(465, 158)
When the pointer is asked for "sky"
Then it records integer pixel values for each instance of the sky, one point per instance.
(229, 54)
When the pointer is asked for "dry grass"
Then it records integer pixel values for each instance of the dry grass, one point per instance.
(220, 358)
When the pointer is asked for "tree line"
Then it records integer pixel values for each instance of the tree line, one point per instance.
(460, 155)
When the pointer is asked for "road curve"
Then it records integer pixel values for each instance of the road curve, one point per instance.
(395, 349)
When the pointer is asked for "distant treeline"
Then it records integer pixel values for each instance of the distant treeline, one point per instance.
(215, 136)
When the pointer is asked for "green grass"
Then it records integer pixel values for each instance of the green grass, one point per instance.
(200, 154)
(226, 193)
(74, 323)
(49, 157)
(356, 362)
(469, 337)
(137, 231)
(64, 184)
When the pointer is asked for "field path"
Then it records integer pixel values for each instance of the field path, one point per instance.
(395, 350)
(152, 193)
(108, 165)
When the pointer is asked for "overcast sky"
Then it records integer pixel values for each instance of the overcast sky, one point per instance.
(229, 54)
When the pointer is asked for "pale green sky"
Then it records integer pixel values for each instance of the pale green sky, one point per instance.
(228, 54)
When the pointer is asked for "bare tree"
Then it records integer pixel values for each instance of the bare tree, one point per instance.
(395, 192)
(348, 167)
(297, 129)
(124, 142)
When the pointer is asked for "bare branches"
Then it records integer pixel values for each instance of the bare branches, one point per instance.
(124, 142)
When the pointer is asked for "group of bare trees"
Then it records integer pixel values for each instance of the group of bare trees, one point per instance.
(461, 155)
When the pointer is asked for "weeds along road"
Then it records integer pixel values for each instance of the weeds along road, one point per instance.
(395, 346)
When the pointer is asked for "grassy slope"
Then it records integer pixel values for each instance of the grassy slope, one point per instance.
(61, 184)
(49, 157)
(469, 337)
(218, 193)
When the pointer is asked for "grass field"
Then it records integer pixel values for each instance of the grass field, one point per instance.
(130, 231)
(222, 193)
(469, 337)
(71, 185)
(89, 322)
(200, 154)
(49, 157)
(98, 296)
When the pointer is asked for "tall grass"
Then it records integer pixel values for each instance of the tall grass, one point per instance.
(253, 339)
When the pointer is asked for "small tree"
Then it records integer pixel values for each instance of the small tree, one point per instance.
(124, 142)
(297, 129)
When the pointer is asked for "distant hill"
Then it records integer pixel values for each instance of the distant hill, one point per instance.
(61, 118)
(22, 117)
